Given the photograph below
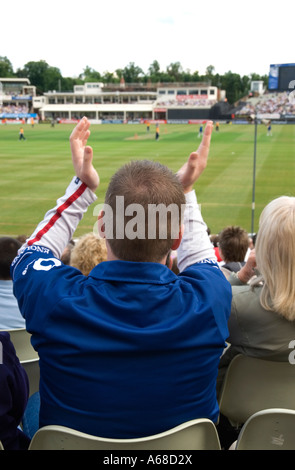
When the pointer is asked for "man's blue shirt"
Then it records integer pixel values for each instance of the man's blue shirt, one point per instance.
(129, 351)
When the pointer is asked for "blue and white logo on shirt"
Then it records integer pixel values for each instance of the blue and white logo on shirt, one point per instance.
(45, 264)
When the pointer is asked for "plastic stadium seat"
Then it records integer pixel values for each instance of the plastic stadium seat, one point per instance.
(272, 429)
(252, 385)
(198, 434)
(33, 372)
(21, 340)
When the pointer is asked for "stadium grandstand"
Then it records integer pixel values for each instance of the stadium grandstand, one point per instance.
(170, 102)
(16, 99)
(131, 102)
(275, 103)
(111, 102)
(161, 102)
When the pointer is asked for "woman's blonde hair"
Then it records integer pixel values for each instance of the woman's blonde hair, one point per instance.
(275, 256)
(88, 251)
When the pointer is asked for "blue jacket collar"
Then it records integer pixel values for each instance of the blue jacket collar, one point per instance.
(129, 271)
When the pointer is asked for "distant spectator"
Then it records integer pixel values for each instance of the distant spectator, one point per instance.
(88, 252)
(233, 245)
(22, 238)
(214, 241)
(66, 256)
(10, 316)
(252, 241)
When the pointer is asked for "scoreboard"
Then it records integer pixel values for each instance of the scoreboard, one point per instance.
(281, 76)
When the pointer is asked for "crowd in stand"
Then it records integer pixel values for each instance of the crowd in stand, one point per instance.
(113, 321)
(14, 109)
(270, 103)
(191, 102)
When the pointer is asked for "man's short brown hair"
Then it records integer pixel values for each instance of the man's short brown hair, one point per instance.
(146, 184)
(233, 242)
(8, 251)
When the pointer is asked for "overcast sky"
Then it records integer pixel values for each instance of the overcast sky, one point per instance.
(243, 37)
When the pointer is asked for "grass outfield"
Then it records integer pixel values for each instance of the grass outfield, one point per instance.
(35, 172)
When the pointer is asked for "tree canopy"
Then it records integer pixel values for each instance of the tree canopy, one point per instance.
(46, 77)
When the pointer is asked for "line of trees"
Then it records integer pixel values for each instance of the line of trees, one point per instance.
(46, 77)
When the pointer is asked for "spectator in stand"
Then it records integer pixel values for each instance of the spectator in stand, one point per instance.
(252, 241)
(22, 238)
(67, 253)
(214, 240)
(14, 393)
(262, 320)
(10, 316)
(132, 349)
(88, 252)
(233, 243)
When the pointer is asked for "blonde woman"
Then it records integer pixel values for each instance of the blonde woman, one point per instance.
(262, 317)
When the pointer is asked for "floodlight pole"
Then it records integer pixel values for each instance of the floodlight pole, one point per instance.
(254, 174)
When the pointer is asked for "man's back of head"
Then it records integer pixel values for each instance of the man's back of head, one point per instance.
(8, 251)
(146, 201)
